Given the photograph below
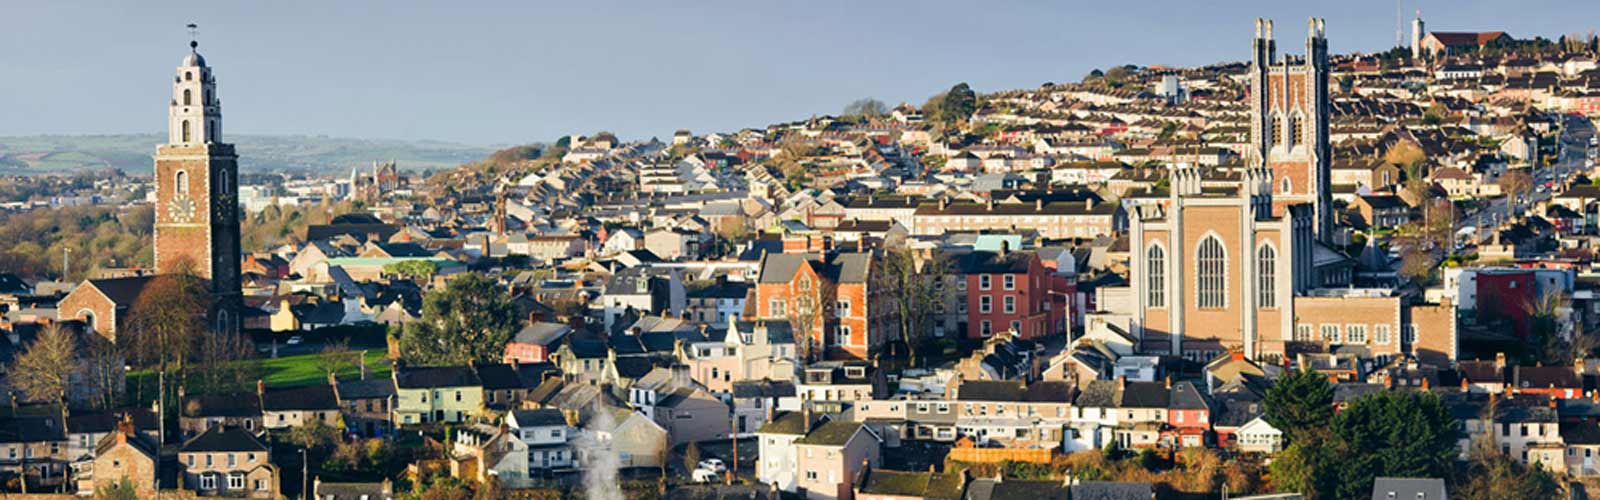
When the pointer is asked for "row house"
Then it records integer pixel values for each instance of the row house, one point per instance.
(815, 457)
(1013, 291)
(1054, 220)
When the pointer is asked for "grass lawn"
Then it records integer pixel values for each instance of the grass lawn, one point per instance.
(287, 371)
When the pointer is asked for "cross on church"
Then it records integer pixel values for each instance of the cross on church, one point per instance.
(194, 31)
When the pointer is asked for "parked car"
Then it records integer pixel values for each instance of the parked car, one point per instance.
(703, 476)
(713, 465)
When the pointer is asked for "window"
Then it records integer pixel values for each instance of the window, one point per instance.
(844, 334)
(233, 461)
(180, 182)
(1155, 260)
(186, 98)
(236, 481)
(1016, 326)
(1287, 186)
(1010, 304)
(1213, 271)
(208, 460)
(1408, 333)
(1294, 131)
(984, 328)
(1302, 333)
(983, 282)
(185, 131)
(1009, 282)
(1330, 334)
(188, 76)
(1266, 276)
(1380, 334)
(984, 304)
(1355, 334)
(208, 481)
(843, 308)
(776, 308)
(1277, 130)
(458, 396)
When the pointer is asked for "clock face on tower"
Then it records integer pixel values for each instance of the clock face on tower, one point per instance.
(180, 209)
(225, 206)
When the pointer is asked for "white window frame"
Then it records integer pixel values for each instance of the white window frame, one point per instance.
(1008, 281)
(1355, 333)
(984, 282)
(1211, 273)
(1156, 275)
(1381, 334)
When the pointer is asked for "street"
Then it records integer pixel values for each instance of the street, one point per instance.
(1573, 151)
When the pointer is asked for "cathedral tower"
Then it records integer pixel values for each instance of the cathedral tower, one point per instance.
(197, 224)
(1289, 122)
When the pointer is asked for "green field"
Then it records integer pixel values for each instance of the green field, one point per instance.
(287, 371)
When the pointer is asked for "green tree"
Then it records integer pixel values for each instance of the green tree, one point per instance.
(123, 489)
(1307, 467)
(415, 269)
(958, 104)
(1299, 401)
(470, 319)
(1393, 433)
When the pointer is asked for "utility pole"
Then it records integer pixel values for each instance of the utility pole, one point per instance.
(66, 262)
(305, 470)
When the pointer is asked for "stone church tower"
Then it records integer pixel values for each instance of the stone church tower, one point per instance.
(197, 221)
(1289, 111)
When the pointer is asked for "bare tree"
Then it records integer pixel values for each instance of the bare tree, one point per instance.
(912, 286)
(813, 307)
(220, 360)
(102, 365)
(335, 356)
(168, 319)
(43, 371)
(1516, 184)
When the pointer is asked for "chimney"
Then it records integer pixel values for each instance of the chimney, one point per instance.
(805, 416)
(261, 387)
(1122, 382)
(1169, 382)
(1088, 204)
(1038, 204)
(1499, 361)
(989, 204)
(1464, 385)
(1237, 355)
(1426, 383)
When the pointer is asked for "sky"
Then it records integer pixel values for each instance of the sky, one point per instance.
(497, 72)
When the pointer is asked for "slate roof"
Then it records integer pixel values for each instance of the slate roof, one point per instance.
(499, 376)
(546, 417)
(436, 376)
(542, 333)
(990, 390)
(371, 388)
(1112, 490)
(1387, 488)
(763, 388)
(1185, 396)
(832, 433)
(244, 404)
(32, 428)
(1145, 395)
(315, 397)
(985, 262)
(223, 438)
(122, 291)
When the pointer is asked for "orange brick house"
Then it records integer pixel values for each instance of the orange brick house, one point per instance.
(825, 293)
(102, 305)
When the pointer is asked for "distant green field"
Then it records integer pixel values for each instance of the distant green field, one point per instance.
(287, 371)
(66, 154)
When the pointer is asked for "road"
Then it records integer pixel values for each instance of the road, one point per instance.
(1573, 147)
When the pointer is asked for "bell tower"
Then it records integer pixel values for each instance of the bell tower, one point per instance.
(1289, 122)
(197, 222)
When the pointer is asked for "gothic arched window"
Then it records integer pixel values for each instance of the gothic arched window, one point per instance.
(186, 97)
(1267, 276)
(180, 182)
(1213, 271)
(186, 131)
(1294, 132)
(1155, 261)
(1277, 130)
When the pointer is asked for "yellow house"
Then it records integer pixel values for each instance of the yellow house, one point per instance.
(436, 394)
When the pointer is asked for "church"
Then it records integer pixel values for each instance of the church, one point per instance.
(1248, 265)
(196, 212)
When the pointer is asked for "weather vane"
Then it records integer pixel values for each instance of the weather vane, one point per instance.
(194, 30)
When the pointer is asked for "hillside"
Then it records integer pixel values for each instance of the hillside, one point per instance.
(47, 154)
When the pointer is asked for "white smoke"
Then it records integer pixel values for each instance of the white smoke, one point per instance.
(601, 461)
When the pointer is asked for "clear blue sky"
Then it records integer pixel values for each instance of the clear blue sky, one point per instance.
(495, 72)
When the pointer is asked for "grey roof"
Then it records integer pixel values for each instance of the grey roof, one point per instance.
(1113, 490)
(1394, 488)
(546, 417)
(436, 376)
(1185, 396)
(315, 397)
(223, 438)
(780, 268)
(122, 291)
(542, 333)
(763, 388)
(371, 388)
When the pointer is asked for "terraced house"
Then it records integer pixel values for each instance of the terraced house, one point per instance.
(436, 394)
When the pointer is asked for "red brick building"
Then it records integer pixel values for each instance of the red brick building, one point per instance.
(1013, 290)
(826, 291)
